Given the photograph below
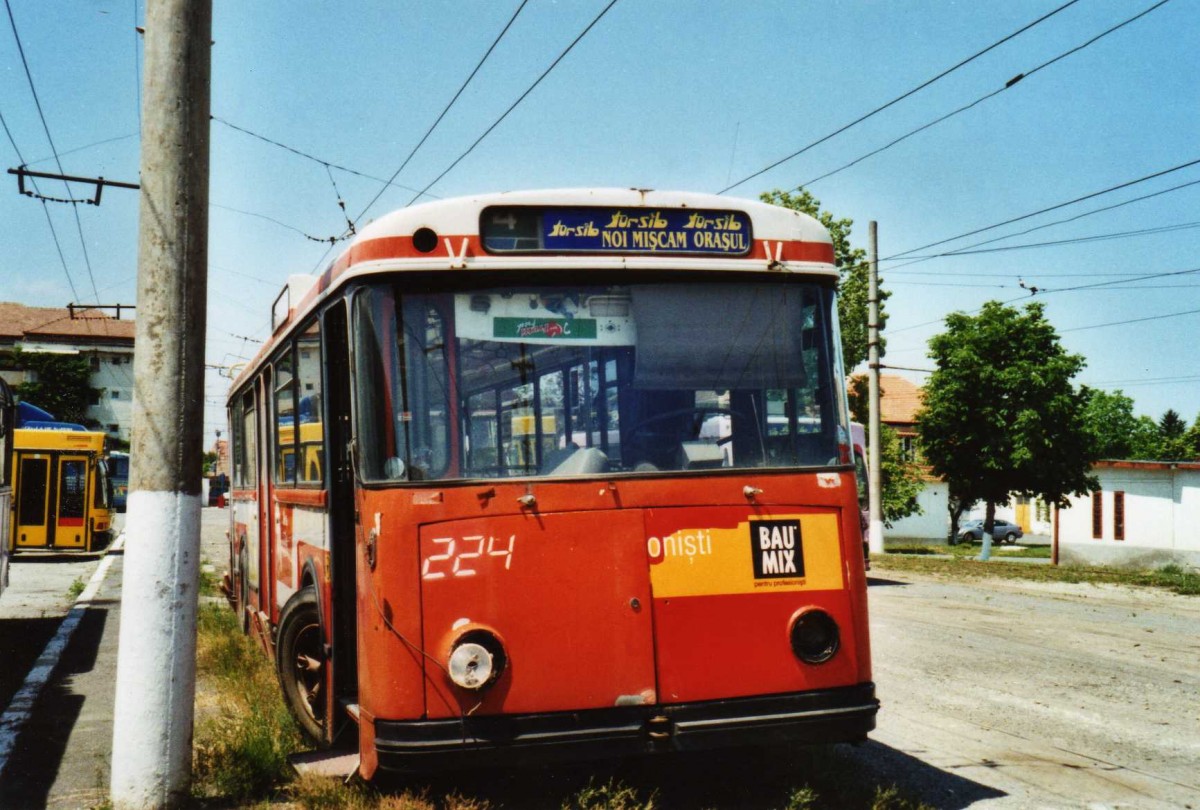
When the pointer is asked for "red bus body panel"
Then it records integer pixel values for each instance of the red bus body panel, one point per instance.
(556, 584)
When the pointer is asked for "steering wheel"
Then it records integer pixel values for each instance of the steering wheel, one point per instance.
(697, 425)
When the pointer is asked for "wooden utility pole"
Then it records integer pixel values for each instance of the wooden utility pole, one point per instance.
(156, 666)
(874, 438)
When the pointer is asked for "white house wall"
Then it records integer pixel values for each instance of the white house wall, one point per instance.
(1162, 520)
(933, 523)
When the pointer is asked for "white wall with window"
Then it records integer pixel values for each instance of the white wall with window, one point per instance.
(1146, 514)
(112, 375)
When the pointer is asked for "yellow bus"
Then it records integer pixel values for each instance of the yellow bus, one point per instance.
(7, 419)
(61, 491)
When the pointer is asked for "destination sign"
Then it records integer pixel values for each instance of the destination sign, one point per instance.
(616, 230)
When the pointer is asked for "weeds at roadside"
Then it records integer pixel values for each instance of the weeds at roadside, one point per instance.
(75, 589)
(966, 550)
(209, 581)
(244, 737)
(1170, 577)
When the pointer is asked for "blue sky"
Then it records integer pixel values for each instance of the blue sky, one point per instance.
(663, 94)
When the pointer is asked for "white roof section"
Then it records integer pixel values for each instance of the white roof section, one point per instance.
(460, 215)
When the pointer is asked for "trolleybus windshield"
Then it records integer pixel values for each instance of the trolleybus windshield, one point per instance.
(562, 380)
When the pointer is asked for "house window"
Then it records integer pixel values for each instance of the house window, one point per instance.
(114, 428)
(95, 361)
(116, 394)
(94, 398)
(1097, 515)
(1118, 515)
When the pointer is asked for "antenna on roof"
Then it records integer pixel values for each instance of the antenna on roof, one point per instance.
(86, 307)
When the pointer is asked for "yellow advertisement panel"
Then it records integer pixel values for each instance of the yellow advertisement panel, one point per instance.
(780, 553)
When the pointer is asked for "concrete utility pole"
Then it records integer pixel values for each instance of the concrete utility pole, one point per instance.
(156, 666)
(875, 457)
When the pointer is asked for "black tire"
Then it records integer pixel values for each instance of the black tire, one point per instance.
(1010, 538)
(301, 663)
(243, 605)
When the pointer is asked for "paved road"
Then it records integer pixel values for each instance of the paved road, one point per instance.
(61, 756)
(995, 694)
(1008, 694)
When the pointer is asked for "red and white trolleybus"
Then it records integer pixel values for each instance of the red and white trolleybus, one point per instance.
(557, 473)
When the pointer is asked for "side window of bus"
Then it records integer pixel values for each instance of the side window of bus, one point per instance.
(241, 419)
(402, 393)
(100, 496)
(311, 436)
(285, 419)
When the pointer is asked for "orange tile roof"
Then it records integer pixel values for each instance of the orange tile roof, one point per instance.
(18, 321)
(899, 401)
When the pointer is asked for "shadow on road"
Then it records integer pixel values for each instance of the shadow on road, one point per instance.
(21, 642)
(840, 776)
(918, 780)
(34, 765)
(881, 582)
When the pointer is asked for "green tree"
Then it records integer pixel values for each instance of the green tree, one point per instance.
(899, 475)
(900, 479)
(1000, 415)
(854, 283)
(60, 384)
(1110, 420)
(1173, 437)
(1145, 440)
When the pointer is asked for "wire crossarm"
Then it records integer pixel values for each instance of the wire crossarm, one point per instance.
(99, 182)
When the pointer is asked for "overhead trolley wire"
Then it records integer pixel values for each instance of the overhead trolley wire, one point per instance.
(45, 210)
(1048, 209)
(964, 250)
(495, 123)
(326, 163)
(1076, 288)
(901, 97)
(1078, 240)
(521, 98)
(37, 102)
(1010, 83)
(445, 110)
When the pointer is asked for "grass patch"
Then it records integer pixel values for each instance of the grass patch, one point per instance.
(210, 583)
(75, 588)
(244, 733)
(1171, 577)
(964, 550)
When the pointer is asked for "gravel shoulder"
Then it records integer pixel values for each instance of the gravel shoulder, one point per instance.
(1047, 694)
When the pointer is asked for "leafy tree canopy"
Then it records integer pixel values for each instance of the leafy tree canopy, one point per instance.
(1110, 421)
(900, 479)
(854, 284)
(1000, 415)
(61, 384)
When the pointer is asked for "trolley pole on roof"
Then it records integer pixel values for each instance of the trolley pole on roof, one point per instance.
(875, 456)
(156, 669)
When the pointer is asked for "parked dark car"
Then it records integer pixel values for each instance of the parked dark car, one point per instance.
(218, 486)
(971, 531)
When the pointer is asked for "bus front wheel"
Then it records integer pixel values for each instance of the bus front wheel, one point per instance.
(300, 657)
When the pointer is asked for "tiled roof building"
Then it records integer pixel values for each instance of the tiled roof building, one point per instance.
(105, 340)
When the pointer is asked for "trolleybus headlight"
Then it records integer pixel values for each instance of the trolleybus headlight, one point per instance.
(815, 637)
(476, 660)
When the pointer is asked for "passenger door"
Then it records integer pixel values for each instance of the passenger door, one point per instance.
(33, 507)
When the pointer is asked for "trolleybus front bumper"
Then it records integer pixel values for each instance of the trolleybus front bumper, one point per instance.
(845, 714)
